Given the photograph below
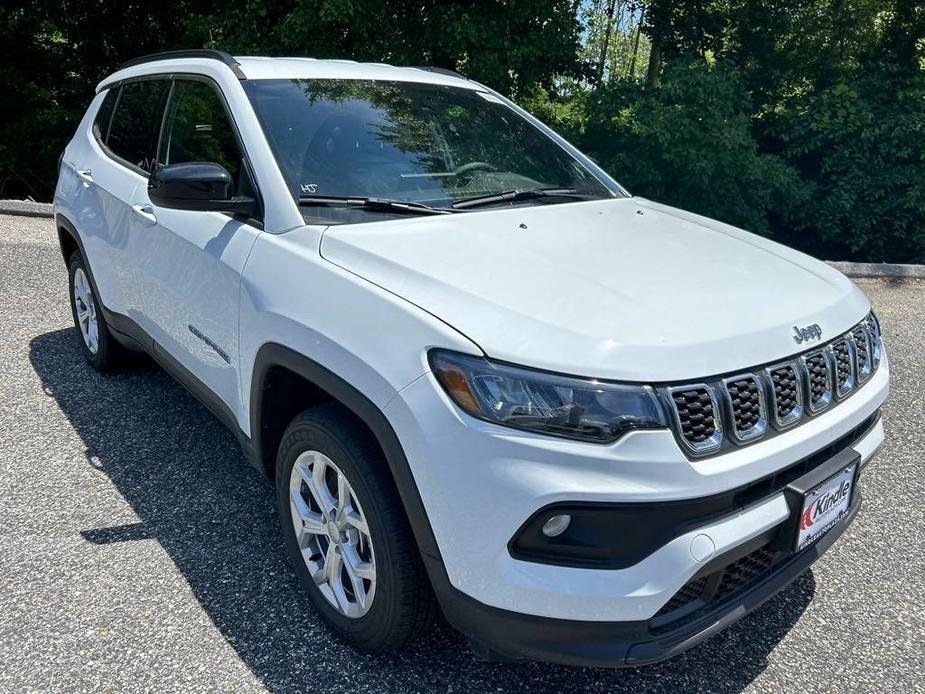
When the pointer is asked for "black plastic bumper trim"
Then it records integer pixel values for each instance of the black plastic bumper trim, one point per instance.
(504, 635)
(596, 538)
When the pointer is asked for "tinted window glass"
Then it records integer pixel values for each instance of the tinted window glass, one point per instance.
(104, 115)
(417, 142)
(198, 129)
(136, 123)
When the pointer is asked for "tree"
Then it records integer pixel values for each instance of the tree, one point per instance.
(510, 45)
(54, 53)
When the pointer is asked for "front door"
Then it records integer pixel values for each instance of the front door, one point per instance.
(192, 261)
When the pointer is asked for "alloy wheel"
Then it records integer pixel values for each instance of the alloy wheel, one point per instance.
(85, 308)
(332, 534)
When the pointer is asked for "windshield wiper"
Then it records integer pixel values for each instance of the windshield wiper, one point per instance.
(515, 195)
(383, 204)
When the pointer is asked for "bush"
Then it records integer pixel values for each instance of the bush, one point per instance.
(864, 146)
(687, 142)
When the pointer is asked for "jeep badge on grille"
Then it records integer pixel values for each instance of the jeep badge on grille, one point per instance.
(810, 332)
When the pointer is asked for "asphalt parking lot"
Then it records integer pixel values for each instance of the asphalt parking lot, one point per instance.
(139, 551)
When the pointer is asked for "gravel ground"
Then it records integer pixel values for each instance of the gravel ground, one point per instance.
(139, 551)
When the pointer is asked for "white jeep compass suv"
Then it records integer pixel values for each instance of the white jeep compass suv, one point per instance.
(484, 378)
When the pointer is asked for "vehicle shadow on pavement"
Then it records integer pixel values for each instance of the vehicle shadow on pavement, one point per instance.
(192, 489)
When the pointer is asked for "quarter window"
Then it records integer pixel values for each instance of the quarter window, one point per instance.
(136, 122)
(104, 115)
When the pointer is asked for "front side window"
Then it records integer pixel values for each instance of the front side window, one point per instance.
(426, 144)
(198, 129)
(136, 122)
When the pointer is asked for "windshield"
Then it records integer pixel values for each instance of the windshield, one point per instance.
(400, 141)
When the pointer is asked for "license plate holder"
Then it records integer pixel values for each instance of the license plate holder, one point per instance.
(801, 495)
(825, 506)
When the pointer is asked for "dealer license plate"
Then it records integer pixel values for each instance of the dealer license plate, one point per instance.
(824, 506)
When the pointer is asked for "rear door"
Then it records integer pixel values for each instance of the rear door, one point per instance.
(192, 261)
(128, 147)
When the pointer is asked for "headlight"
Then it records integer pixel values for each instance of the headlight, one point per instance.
(543, 402)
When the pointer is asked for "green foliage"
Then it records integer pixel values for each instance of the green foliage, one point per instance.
(51, 58)
(54, 53)
(800, 119)
(864, 146)
(688, 143)
(510, 45)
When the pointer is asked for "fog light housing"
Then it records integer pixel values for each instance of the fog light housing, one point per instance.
(556, 525)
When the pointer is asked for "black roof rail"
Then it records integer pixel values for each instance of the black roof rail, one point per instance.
(442, 71)
(193, 53)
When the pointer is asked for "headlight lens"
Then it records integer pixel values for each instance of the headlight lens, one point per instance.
(543, 402)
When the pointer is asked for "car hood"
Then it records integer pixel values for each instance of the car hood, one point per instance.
(622, 289)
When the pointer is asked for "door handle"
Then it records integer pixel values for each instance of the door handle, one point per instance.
(84, 175)
(146, 212)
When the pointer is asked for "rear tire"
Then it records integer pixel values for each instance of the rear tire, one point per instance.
(327, 458)
(99, 347)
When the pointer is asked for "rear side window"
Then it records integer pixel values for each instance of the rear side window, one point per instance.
(104, 115)
(136, 123)
(198, 129)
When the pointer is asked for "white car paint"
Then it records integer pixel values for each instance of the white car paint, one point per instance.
(617, 289)
(647, 294)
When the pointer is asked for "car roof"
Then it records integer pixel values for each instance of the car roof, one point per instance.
(306, 68)
(260, 67)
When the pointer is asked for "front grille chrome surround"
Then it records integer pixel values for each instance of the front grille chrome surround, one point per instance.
(748, 414)
(863, 350)
(873, 329)
(737, 410)
(697, 417)
(817, 370)
(843, 358)
(785, 389)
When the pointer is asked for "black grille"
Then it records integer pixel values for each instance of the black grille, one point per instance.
(842, 364)
(745, 398)
(818, 372)
(862, 350)
(741, 573)
(713, 590)
(689, 592)
(786, 391)
(696, 414)
(806, 383)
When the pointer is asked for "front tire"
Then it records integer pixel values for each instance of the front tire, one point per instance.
(346, 533)
(99, 347)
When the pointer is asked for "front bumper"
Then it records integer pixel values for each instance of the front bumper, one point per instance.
(502, 635)
(479, 483)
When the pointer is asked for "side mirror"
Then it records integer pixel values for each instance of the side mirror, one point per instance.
(199, 186)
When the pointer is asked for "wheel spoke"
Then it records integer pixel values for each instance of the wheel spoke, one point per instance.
(307, 473)
(312, 523)
(343, 494)
(318, 575)
(357, 521)
(332, 564)
(79, 290)
(356, 566)
(319, 488)
(332, 578)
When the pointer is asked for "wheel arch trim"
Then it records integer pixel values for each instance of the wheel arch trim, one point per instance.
(63, 225)
(271, 355)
